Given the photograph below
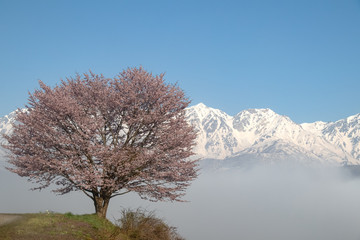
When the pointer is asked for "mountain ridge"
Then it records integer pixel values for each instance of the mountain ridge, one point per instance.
(263, 135)
(266, 135)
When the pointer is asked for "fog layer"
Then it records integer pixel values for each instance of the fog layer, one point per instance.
(257, 204)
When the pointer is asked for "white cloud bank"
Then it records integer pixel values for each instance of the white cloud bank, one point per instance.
(257, 204)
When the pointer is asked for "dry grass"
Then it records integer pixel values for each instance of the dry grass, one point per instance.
(143, 225)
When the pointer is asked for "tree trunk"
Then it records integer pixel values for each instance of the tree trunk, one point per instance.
(101, 206)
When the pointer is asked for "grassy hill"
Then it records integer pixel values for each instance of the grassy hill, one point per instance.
(133, 226)
(60, 227)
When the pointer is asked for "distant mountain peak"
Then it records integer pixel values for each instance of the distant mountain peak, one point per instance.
(259, 110)
(200, 105)
(263, 135)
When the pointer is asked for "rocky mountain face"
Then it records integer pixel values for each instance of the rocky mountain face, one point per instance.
(261, 135)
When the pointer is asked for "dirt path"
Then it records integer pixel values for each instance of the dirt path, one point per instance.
(8, 218)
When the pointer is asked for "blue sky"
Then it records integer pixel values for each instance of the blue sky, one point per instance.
(299, 58)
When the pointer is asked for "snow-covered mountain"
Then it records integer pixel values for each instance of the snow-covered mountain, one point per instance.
(263, 135)
(344, 134)
(5, 127)
(6, 122)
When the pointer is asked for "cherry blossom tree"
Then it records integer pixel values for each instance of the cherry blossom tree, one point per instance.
(106, 137)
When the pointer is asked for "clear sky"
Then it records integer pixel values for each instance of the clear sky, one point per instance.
(299, 58)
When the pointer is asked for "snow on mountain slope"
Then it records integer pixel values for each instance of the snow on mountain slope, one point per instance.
(6, 123)
(216, 137)
(263, 134)
(5, 127)
(344, 134)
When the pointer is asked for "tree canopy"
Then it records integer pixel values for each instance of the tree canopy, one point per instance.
(106, 137)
